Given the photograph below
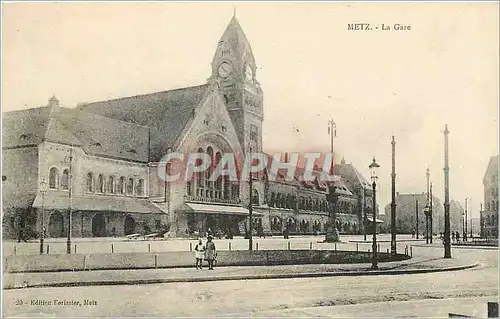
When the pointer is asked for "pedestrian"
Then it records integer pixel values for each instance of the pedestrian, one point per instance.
(413, 233)
(199, 251)
(210, 253)
(286, 233)
(457, 235)
(453, 236)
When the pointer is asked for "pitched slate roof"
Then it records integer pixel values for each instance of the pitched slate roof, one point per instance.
(97, 135)
(25, 127)
(350, 172)
(165, 113)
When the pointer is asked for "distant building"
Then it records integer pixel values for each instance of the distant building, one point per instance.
(407, 211)
(489, 214)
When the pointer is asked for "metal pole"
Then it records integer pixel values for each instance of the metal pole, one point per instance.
(416, 213)
(250, 211)
(42, 235)
(447, 241)
(393, 203)
(466, 217)
(430, 214)
(426, 227)
(70, 191)
(374, 224)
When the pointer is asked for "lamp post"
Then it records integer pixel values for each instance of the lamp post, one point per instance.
(43, 190)
(393, 202)
(464, 234)
(374, 176)
(70, 195)
(447, 241)
(427, 211)
(416, 215)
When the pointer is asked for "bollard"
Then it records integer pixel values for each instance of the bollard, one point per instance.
(310, 246)
(112, 248)
(149, 248)
(357, 246)
(387, 250)
(84, 262)
(229, 246)
(378, 247)
(48, 249)
(156, 261)
(190, 246)
(411, 251)
(288, 245)
(15, 250)
(75, 249)
(335, 248)
(257, 246)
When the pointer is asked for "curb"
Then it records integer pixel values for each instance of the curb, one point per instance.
(245, 277)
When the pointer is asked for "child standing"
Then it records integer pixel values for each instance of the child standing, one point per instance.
(199, 252)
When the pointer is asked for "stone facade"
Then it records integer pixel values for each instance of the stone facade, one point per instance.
(113, 186)
(489, 214)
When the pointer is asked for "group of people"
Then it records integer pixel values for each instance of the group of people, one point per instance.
(207, 252)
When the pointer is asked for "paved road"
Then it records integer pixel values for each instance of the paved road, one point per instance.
(258, 297)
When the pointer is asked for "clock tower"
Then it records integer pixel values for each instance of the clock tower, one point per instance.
(233, 67)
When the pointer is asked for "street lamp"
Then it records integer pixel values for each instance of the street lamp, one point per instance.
(70, 195)
(43, 190)
(427, 211)
(374, 177)
(464, 232)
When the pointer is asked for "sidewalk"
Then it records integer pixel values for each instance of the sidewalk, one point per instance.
(150, 276)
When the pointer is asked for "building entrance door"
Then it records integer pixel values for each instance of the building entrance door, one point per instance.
(98, 225)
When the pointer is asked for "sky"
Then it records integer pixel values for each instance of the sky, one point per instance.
(373, 84)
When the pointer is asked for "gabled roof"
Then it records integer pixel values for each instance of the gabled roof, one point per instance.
(97, 135)
(165, 113)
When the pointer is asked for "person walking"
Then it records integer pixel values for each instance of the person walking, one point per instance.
(453, 236)
(199, 251)
(457, 235)
(210, 253)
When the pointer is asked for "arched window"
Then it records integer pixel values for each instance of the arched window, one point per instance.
(90, 182)
(100, 183)
(208, 183)
(53, 177)
(121, 185)
(218, 182)
(130, 186)
(140, 187)
(111, 185)
(65, 180)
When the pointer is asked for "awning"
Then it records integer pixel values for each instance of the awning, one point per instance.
(17, 200)
(377, 220)
(98, 203)
(218, 209)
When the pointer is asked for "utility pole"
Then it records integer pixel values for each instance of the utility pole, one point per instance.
(428, 206)
(70, 193)
(466, 216)
(430, 213)
(416, 213)
(250, 211)
(447, 242)
(393, 203)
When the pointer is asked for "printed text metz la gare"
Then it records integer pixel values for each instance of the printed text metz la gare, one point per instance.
(378, 27)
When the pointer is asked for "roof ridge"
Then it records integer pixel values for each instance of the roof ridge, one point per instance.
(144, 94)
(108, 118)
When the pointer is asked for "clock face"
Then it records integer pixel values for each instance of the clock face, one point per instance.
(224, 69)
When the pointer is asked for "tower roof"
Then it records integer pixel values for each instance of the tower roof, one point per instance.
(234, 40)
